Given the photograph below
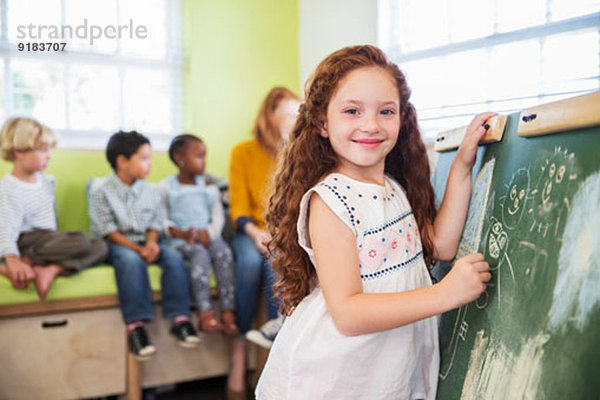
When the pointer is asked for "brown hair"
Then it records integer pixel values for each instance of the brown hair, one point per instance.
(265, 129)
(20, 133)
(308, 157)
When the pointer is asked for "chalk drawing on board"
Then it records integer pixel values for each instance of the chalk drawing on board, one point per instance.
(514, 202)
(495, 252)
(557, 173)
(481, 200)
(533, 259)
(459, 332)
(494, 372)
(477, 209)
(576, 292)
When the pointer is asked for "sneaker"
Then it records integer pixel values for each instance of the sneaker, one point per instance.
(140, 345)
(265, 335)
(186, 334)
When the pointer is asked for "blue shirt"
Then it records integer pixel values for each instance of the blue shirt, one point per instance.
(192, 206)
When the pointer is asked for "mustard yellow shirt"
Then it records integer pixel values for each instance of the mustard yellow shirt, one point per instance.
(250, 174)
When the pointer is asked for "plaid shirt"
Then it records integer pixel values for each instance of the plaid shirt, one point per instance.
(130, 210)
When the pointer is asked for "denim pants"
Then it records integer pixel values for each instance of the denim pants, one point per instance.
(135, 294)
(251, 270)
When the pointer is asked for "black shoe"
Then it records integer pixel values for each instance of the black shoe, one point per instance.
(140, 345)
(186, 334)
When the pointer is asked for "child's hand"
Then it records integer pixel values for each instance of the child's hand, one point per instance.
(150, 252)
(19, 273)
(467, 151)
(189, 236)
(202, 237)
(467, 279)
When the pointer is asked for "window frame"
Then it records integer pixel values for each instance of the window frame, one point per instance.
(388, 32)
(72, 138)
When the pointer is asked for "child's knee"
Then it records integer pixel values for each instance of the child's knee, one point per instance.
(250, 261)
(170, 257)
(78, 239)
(197, 248)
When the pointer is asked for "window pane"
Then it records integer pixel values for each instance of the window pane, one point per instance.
(147, 99)
(32, 18)
(424, 24)
(150, 24)
(570, 62)
(38, 90)
(471, 19)
(514, 70)
(100, 14)
(519, 14)
(94, 98)
(562, 9)
(466, 76)
(425, 80)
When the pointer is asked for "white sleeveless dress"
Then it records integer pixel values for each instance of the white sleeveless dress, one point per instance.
(310, 359)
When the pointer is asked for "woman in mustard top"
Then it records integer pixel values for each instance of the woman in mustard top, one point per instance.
(252, 166)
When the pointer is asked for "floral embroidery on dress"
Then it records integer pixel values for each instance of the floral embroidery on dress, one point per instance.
(371, 254)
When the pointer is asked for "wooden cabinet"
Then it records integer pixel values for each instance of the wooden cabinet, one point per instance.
(63, 355)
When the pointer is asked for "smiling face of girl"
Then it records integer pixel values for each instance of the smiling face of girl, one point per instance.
(362, 122)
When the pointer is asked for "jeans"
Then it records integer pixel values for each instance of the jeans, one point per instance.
(135, 294)
(251, 269)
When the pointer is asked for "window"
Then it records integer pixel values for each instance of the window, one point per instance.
(462, 57)
(121, 67)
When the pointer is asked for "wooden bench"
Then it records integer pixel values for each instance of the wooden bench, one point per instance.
(77, 348)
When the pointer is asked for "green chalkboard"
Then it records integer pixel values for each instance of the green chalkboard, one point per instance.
(535, 215)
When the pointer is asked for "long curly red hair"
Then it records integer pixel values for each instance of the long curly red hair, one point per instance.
(308, 157)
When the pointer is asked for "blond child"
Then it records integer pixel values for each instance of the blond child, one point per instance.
(30, 246)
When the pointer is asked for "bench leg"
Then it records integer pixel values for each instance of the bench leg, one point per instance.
(134, 382)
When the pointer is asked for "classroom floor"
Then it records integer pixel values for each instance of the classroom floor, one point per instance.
(206, 389)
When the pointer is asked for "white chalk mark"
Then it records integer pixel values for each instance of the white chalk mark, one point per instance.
(446, 367)
(576, 292)
(464, 328)
(551, 194)
(510, 267)
(496, 373)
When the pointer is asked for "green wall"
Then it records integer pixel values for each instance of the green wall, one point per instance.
(236, 50)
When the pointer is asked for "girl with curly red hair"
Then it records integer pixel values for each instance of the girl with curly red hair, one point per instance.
(354, 229)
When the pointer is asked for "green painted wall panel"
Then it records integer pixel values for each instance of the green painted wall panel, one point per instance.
(235, 52)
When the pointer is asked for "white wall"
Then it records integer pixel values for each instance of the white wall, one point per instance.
(328, 25)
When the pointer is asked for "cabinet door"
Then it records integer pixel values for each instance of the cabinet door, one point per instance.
(63, 356)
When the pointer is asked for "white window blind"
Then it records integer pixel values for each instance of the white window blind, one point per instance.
(462, 57)
(95, 86)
